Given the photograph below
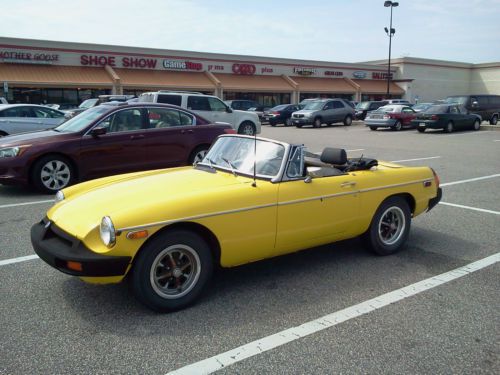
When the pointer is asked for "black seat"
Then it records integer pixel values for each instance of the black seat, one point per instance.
(330, 159)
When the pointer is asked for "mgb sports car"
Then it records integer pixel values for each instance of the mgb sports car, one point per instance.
(248, 199)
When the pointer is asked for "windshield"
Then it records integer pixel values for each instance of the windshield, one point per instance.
(462, 100)
(363, 105)
(434, 109)
(314, 105)
(237, 155)
(89, 103)
(279, 107)
(82, 120)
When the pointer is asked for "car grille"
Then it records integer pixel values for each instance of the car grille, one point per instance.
(298, 116)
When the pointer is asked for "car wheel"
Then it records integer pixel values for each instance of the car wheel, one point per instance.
(247, 128)
(397, 126)
(52, 173)
(272, 123)
(494, 120)
(198, 154)
(477, 125)
(421, 130)
(317, 122)
(171, 270)
(3, 134)
(298, 125)
(390, 226)
(348, 120)
(373, 128)
(449, 127)
(288, 122)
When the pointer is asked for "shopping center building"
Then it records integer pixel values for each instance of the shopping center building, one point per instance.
(37, 71)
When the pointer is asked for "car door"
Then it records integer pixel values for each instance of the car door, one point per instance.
(328, 113)
(47, 118)
(219, 111)
(120, 150)
(200, 105)
(321, 211)
(19, 119)
(338, 112)
(457, 117)
(407, 115)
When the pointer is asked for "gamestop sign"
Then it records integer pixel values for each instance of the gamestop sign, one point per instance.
(182, 65)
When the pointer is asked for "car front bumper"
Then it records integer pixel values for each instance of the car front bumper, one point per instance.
(13, 171)
(302, 121)
(57, 248)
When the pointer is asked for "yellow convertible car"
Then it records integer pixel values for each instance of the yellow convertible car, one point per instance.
(248, 199)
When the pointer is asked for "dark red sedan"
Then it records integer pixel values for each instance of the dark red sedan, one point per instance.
(110, 139)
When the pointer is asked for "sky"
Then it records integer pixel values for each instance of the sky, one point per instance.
(325, 30)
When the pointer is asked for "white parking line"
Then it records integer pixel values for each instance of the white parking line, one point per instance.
(26, 203)
(220, 361)
(470, 208)
(469, 180)
(430, 157)
(17, 260)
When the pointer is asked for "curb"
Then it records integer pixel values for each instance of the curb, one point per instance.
(490, 127)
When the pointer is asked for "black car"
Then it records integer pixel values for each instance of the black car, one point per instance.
(281, 114)
(486, 106)
(363, 108)
(449, 117)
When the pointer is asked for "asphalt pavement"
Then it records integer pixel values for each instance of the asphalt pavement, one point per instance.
(51, 323)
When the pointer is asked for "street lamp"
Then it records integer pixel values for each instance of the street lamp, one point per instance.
(390, 32)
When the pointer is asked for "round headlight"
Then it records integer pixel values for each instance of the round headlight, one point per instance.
(59, 196)
(107, 231)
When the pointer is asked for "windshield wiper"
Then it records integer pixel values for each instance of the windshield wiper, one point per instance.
(233, 169)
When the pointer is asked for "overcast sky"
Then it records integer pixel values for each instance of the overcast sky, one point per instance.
(329, 30)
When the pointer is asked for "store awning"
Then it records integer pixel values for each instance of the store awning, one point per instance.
(235, 82)
(53, 76)
(159, 79)
(377, 87)
(326, 85)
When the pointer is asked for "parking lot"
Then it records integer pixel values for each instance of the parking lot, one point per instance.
(321, 311)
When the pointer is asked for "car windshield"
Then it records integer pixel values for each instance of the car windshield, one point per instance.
(279, 107)
(462, 100)
(314, 105)
(240, 154)
(82, 120)
(363, 105)
(434, 109)
(89, 103)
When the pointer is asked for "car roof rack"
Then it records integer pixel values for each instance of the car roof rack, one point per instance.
(180, 92)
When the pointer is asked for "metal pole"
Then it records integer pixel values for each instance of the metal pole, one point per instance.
(389, 66)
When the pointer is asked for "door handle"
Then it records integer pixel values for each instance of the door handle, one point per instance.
(190, 131)
(347, 184)
(140, 136)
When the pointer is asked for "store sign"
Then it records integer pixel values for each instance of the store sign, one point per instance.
(333, 73)
(245, 69)
(379, 75)
(124, 62)
(359, 74)
(182, 65)
(305, 71)
(28, 57)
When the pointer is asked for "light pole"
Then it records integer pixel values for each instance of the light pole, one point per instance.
(390, 34)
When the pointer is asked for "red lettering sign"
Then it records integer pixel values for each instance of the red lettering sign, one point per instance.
(334, 73)
(95, 60)
(135, 62)
(246, 69)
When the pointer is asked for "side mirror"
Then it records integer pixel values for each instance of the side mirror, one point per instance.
(229, 110)
(96, 132)
(475, 104)
(308, 179)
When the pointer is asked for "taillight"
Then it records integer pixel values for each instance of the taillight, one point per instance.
(387, 117)
(229, 131)
(436, 177)
(275, 113)
(434, 117)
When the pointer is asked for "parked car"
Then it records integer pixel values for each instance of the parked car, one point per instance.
(363, 108)
(394, 116)
(242, 104)
(247, 200)
(89, 103)
(398, 101)
(208, 106)
(109, 139)
(259, 111)
(324, 111)
(21, 118)
(421, 107)
(449, 117)
(281, 114)
(486, 106)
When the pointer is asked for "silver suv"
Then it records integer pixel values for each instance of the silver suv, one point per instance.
(209, 107)
(324, 111)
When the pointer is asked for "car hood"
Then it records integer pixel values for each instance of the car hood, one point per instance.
(143, 198)
(32, 138)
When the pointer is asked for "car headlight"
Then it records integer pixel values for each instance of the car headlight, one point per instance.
(59, 196)
(107, 231)
(307, 114)
(9, 152)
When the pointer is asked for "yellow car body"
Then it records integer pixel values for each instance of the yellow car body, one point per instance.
(242, 217)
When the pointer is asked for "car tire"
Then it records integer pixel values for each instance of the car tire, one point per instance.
(298, 125)
(172, 270)
(288, 122)
(449, 127)
(317, 122)
(247, 128)
(421, 130)
(373, 128)
(3, 134)
(272, 123)
(476, 125)
(198, 154)
(52, 173)
(348, 120)
(390, 227)
(397, 126)
(494, 120)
